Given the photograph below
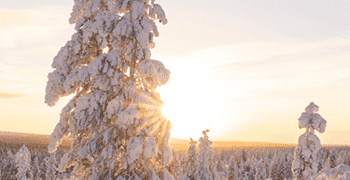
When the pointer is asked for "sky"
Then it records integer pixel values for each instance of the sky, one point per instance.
(245, 70)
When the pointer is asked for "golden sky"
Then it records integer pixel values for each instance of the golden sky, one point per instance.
(244, 70)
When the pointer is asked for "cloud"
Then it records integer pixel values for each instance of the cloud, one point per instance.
(261, 53)
(34, 26)
(4, 95)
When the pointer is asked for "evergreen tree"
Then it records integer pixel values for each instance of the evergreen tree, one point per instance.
(36, 169)
(233, 168)
(325, 161)
(175, 165)
(10, 170)
(114, 118)
(277, 166)
(221, 170)
(342, 157)
(340, 172)
(192, 161)
(332, 159)
(273, 169)
(183, 171)
(206, 170)
(23, 158)
(260, 170)
(51, 169)
(305, 161)
(247, 171)
(265, 162)
(288, 174)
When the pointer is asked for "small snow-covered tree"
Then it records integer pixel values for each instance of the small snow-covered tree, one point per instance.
(340, 172)
(247, 169)
(191, 163)
(273, 170)
(342, 157)
(175, 165)
(206, 170)
(233, 168)
(51, 168)
(183, 171)
(305, 162)
(114, 118)
(332, 159)
(260, 170)
(221, 170)
(288, 159)
(36, 169)
(10, 170)
(23, 158)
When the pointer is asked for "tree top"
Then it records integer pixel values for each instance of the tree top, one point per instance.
(311, 108)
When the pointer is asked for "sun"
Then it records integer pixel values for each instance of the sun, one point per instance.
(188, 109)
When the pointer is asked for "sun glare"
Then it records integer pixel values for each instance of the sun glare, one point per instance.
(188, 110)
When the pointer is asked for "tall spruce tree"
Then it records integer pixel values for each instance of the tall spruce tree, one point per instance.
(305, 162)
(23, 158)
(114, 118)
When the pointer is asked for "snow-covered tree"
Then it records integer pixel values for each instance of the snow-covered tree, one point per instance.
(23, 158)
(305, 161)
(51, 168)
(9, 170)
(273, 170)
(342, 157)
(288, 159)
(182, 171)
(232, 168)
(220, 170)
(114, 118)
(247, 170)
(332, 160)
(191, 163)
(206, 170)
(36, 169)
(340, 172)
(276, 170)
(260, 170)
(175, 165)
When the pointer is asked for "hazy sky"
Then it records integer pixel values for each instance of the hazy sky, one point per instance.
(246, 70)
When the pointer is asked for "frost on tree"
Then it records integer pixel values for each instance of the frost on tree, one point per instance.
(340, 172)
(205, 158)
(305, 163)
(36, 169)
(9, 170)
(23, 158)
(191, 164)
(260, 170)
(114, 118)
(51, 169)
